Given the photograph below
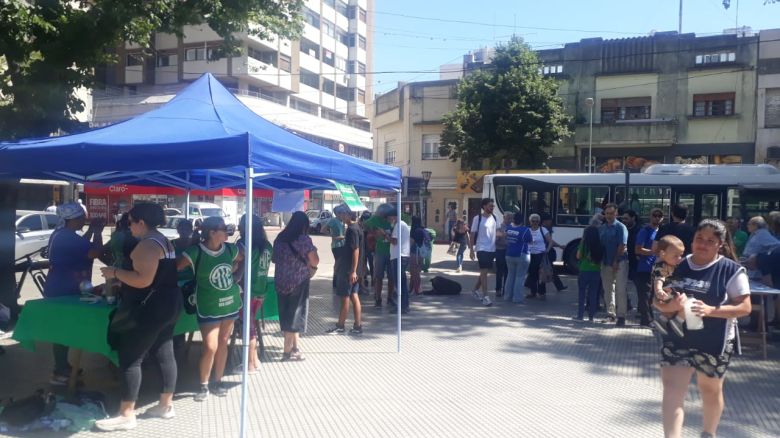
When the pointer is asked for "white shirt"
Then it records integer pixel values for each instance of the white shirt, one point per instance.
(538, 245)
(404, 239)
(486, 235)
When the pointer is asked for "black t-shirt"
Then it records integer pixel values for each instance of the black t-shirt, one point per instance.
(352, 239)
(680, 230)
(630, 248)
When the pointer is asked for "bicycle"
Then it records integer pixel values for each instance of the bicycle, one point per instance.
(34, 267)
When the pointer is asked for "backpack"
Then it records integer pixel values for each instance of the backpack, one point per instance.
(444, 286)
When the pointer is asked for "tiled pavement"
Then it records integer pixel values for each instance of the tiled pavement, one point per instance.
(464, 370)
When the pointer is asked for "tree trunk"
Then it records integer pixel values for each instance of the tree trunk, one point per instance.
(8, 196)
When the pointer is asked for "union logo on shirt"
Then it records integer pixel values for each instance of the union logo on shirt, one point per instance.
(221, 277)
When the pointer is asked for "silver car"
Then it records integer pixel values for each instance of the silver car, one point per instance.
(33, 229)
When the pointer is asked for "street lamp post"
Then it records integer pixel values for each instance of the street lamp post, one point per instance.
(426, 177)
(589, 104)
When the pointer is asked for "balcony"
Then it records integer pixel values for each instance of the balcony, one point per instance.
(650, 132)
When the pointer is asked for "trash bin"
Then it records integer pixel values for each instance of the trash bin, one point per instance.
(427, 260)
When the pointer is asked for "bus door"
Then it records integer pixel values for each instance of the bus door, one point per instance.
(702, 204)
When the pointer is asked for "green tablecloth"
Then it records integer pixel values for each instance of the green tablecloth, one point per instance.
(83, 325)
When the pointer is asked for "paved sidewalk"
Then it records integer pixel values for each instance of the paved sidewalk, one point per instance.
(464, 370)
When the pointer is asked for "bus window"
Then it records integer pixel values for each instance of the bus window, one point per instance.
(539, 202)
(710, 206)
(643, 199)
(759, 202)
(732, 203)
(509, 198)
(689, 200)
(577, 204)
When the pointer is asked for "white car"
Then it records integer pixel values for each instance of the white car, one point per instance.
(33, 229)
(318, 219)
(169, 229)
(202, 210)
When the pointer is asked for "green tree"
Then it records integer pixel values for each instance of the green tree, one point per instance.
(508, 110)
(50, 48)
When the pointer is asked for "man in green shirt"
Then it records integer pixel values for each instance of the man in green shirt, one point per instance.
(740, 237)
(382, 229)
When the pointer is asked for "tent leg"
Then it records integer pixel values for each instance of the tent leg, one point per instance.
(247, 297)
(398, 276)
(187, 205)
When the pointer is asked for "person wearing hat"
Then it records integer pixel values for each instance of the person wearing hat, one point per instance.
(70, 263)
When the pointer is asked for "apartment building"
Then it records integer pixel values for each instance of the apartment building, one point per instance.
(315, 86)
(768, 104)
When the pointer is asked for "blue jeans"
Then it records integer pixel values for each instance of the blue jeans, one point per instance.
(517, 268)
(589, 285)
(459, 256)
(404, 283)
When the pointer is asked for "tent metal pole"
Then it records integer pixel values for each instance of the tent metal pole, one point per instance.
(187, 205)
(247, 235)
(398, 272)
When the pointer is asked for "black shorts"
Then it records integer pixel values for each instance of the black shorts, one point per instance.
(343, 288)
(485, 259)
(712, 366)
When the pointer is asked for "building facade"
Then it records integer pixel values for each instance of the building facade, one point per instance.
(315, 86)
(768, 104)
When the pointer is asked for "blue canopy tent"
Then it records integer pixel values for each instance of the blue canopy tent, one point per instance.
(204, 138)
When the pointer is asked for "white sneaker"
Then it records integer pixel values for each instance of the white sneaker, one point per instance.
(116, 423)
(160, 411)
(487, 301)
(459, 269)
(476, 294)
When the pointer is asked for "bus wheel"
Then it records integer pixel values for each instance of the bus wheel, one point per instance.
(570, 257)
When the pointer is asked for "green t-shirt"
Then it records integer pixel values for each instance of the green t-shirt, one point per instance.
(261, 261)
(336, 228)
(382, 246)
(585, 263)
(216, 294)
(740, 240)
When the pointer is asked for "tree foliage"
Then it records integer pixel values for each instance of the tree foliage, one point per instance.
(49, 48)
(508, 110)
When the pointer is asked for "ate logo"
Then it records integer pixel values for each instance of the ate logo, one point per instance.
(221, 277)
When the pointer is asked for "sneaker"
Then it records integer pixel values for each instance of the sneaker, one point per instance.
(486, 301)
(378, 304)
(609, 319)
(459, 269)
(58, 380)
(160, 411)
(357, 330)
(476, 294)
(676, 327)
(335, 331)
(202, 394)
(116, 423)
(219, 389)
(621, 322)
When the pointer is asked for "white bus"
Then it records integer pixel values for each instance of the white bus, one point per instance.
(709, 191)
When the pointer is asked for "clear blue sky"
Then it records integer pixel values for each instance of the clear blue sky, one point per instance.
(407, 46)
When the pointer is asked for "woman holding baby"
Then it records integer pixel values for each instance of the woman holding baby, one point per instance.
(717, 288)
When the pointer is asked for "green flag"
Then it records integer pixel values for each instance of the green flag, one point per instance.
(350, 197)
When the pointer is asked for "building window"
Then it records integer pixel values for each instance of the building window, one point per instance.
(167, 60)
(328, 87)
(715, 58)
(310, 48)
(631, 108)
(344, 93)
(284, 63)
(772, 108)
(715, 104)
(328, 28)
(342, 8)
(362, 14)
(331, 3)
(389, 154)
(351, 67)
(352, 11)
(342, 37)
(361, 96)
(267, 57)
(362, 42)
(134, 59)
(328, 57)
(361, 68)
(311, 17)
(195, 54)
(551, 69)
(430, 147)
(310, 79)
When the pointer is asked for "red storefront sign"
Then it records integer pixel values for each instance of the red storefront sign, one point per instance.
(127, 190)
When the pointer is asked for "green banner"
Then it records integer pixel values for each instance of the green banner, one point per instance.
(350, 197)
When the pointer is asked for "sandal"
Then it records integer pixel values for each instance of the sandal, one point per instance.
(293, 355)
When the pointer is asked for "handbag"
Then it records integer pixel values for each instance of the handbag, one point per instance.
(453, 250)
(126, 319)
(312, 269)
(188, 289)
(545, 271)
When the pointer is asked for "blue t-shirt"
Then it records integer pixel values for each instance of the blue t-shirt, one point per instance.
(645, 238)
(69, 263)
(517, 240)
(612, 236)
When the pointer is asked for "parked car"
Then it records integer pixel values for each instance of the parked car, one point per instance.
(33, 229)
(317, 219)
(169, 229)
(172, 212)
(202, 210)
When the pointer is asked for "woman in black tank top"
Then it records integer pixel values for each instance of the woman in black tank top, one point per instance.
(150, 285)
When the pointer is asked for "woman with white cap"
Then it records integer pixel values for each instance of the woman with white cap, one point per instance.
(70, 261)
